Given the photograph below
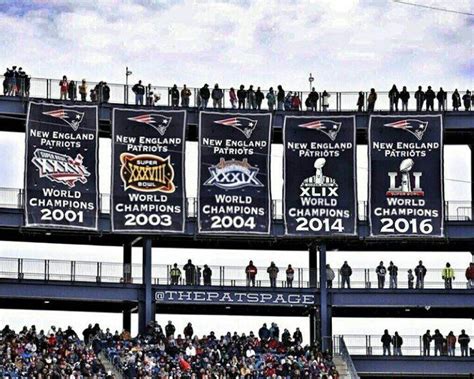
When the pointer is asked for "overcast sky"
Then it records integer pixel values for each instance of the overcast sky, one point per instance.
(347, 45)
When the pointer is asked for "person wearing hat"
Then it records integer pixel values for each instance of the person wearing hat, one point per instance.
(204, 94)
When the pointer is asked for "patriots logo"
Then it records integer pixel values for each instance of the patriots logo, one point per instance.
(415, 127)
(328, 127)
(245, 125)
(157, 121)
(70, 117)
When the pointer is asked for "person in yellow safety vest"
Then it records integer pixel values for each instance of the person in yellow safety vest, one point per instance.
(448, 276)
(175, 274)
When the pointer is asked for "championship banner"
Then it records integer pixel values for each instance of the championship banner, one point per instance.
(234, 177)
(148, 192)
(319, 183)
(406, 176)
(61, 185)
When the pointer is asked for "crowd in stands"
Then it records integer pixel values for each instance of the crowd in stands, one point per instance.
(195, 275)
(442, 345)
(165, 354)
(17, 83)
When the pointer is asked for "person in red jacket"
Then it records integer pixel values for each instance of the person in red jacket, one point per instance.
(470, 275)
(250, 274)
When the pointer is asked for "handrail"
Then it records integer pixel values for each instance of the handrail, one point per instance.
(347, 358)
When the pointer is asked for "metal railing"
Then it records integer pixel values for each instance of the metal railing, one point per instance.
(337, 347)
(160, 95)
(456, 210)
(116, 272)
(412, 345)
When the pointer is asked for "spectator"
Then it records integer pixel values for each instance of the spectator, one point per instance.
(72, 90)
(264, 334)
(470, 275)
(290, 274)
(394, 95)
(393, 274)
(250, 274)
(404, 96)
(174, 95)
(275, 331)
(271, 99)
(204, 94)
(441, 96)
(456, 98)
(105, 92)
(448, 276)
(467, 100)
(386, 341)
(185, 96)
(12, 84)
(397, 344)
(430, 96)
(22, 79)
(288, 101)
(251, 99)
(87, 333)
(175, 274)
(346, 272)
(411, 278)
(259, 96)
(170, 329)
(420, 272)
(83, 90)
(420, 98)
(360, 102)
(296, 102)
(371, 100)
(93, 95)
(190, 272)
(451, 344)
(188, 331)
(197, 277)
(298, 336)
(381, 271)
(207, 274)
(217, 96)
(139, 90)
(286, 338)
(6, 81)
(149, 95)
(63, 88)
(463, 340)
(325, 100)
(426, 343)
(329, 276)
(232, 97)
(438, 343)
(190, 351)
(280, 98)
(272, 271)
(312, 100)
(242, 95)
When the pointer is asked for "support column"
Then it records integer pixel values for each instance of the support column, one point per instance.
(325, 315)
(472, 181)
(127, 262)
(127, 319)
(313, 327)
(313, 265)
(145, 307)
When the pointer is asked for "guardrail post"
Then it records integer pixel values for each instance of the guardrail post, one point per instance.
(20, 268)
(73, 271)
(325, 312)
(46, 269)
(20, 198)
(98, 277)
(48, 88)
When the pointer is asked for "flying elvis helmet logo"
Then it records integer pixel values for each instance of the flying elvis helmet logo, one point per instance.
(415, 127)
(243, 124)
(328, 127)
(69, 116)
(157, 121)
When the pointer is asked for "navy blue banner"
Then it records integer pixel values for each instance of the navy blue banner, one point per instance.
(233, 297)
(61, 164)
(234, 177)
(148, 191)
(319, 190)
(406, 176)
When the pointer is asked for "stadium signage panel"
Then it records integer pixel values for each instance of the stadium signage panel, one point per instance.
(148, 192)
(61, 184)
(406, 176)
(233, 297)
(234, 177)
(319, 190)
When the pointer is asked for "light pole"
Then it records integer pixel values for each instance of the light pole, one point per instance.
(310, 80)
(127, 74)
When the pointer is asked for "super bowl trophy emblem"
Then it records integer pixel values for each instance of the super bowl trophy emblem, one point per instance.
(319, 184)
(405, 188)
